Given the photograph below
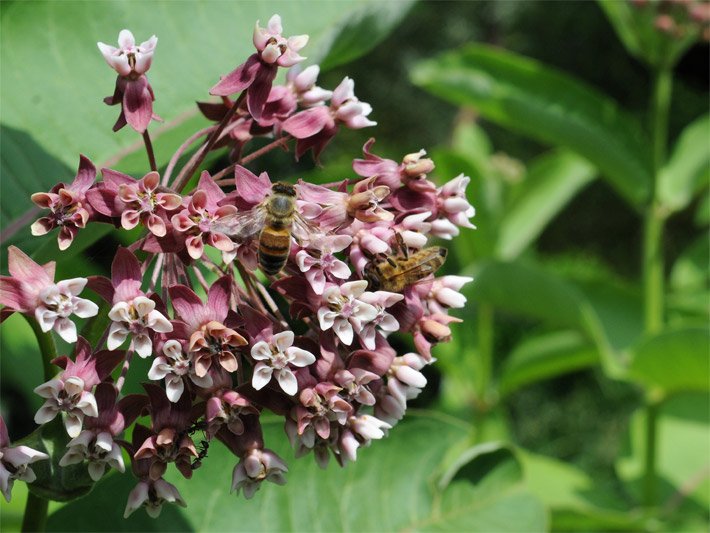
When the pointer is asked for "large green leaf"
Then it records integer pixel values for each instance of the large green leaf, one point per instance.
(682, 444)
(544, 357)
(547, 105)
(390, 487)
(688, 170)
(551, 181)
(54, 77)
(674, 360)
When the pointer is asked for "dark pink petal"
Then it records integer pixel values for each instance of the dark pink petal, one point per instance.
(309, 122)
(104, 200)
(218, 298)
(114, 178)
(85, 176)
(125, 266)
(159, 406)
(213, 191)
(212, 111)
(251, 188)
(239, 79)
(101, 286)
(42, 226)
(187, 305)
(138, 104)
(410, 201)
(23, 268)
(259, 90)
(130, 407)
(12, 295)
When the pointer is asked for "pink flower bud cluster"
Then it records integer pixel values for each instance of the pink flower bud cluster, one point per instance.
(222, 348)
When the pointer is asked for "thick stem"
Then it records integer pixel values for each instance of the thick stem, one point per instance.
(199, 156)
(485, 352)
(47, 348)
(653, 271)
(650, 482)
(149, 151)
(35, 517)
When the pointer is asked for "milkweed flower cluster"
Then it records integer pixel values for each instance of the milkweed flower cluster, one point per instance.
(226, 344)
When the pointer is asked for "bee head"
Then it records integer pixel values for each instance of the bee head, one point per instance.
(283, 188)
(370, 274)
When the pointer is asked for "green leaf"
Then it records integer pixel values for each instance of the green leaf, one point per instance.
(390, 487)
(688, 169)
(361, 31)
(682, 443)
(547, 105)
(544, 357)
(54, 77)
(551, 182)
(673, 360)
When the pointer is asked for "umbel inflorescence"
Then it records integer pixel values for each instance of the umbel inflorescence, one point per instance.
(291, 316)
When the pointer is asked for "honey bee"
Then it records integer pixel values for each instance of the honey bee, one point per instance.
(396, 273)
(275, 220)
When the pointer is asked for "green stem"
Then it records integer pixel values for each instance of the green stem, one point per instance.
(47, 348)
(35, 518)
(653, 271)
(485, 352)
(650, 482)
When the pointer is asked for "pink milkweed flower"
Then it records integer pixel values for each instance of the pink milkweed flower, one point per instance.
(361, 431)
(228, 408)
(169, 441)
(30, 289)
(326, 266)
(319, 406)
(343, 311)
(209, 337)
(404, 382)
(15, 461)
(444, 293)
(152, 494)
(97, 443)
(411, 171)
(174, 366)
(303, 85)
(197, 220)
(383, 321)
(135, 201)
(258, 72)
(129, 59)
(315, 127)
(453, 208)
(254, 468)
(274, 359)
(355, 384)
(132, 91)
(70, 392)
(133, 314)
(67, 204)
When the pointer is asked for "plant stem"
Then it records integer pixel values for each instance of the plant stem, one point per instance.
(149, 151)
(47, 348)
(35, 517)
(248, 159)
(653, 271)
(485, 352)
(199, 156)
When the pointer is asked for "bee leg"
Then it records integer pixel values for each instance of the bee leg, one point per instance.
(401, 245)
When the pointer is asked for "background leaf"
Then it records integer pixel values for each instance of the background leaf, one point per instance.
(533, 99)
(53, 111)
(688, 169)
(551, 181)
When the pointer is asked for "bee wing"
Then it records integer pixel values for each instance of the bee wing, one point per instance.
(304, 229)
(243, 225)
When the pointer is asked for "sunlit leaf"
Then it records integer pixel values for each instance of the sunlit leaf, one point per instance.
(547, 105)
(688, 169)
(674, 360)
